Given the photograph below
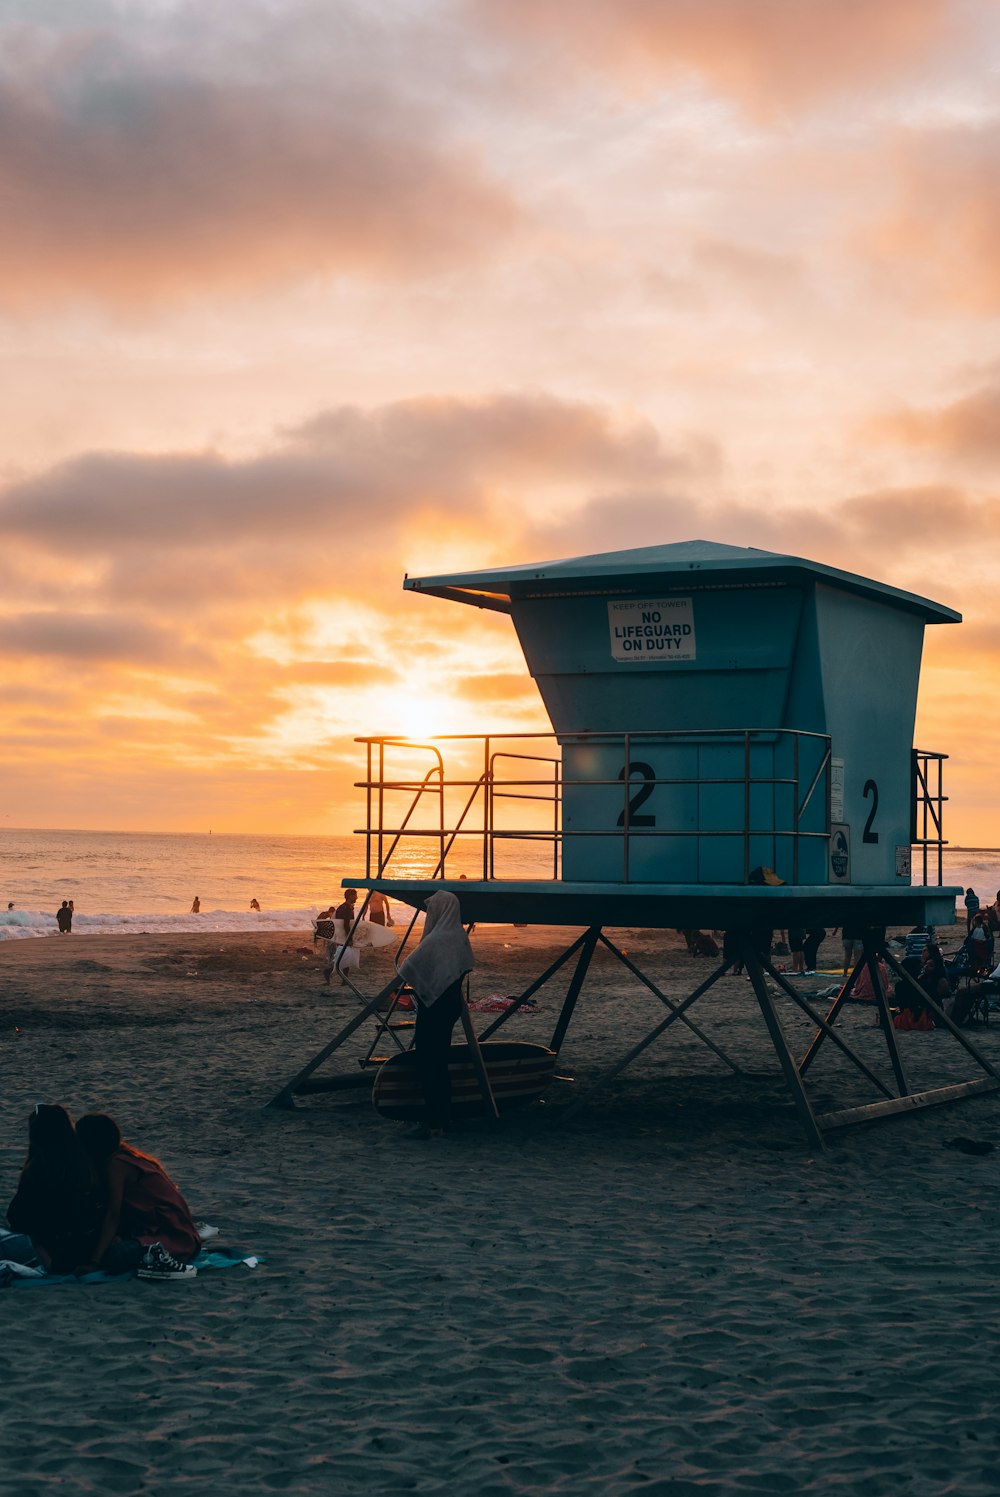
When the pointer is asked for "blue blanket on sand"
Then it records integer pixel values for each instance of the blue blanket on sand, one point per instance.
(18, 1273)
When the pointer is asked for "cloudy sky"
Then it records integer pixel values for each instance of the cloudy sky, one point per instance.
(297, 297)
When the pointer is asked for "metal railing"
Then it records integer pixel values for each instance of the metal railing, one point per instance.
(927, 816)
(481, 794)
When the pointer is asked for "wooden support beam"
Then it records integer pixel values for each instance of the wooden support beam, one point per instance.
(587, 949)
(779, 1040)
(286, 1097)
(669, 1003)
(636, 1050)
(873, 950)
(813, 1014)
(831, 1018)
(532, 989)
(479, 1065)
(870, 1111)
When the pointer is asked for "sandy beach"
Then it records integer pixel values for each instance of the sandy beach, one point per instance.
(668, 1294)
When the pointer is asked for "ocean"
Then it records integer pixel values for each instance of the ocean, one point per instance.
(134, 881)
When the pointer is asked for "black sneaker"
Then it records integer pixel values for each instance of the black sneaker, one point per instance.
(157, 1263)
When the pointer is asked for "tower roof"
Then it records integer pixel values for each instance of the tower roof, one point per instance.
(682, 565)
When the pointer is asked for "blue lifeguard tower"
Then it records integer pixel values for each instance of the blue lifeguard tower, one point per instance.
(732, 747)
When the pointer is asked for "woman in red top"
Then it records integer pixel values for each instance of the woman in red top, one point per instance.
(148, 1225)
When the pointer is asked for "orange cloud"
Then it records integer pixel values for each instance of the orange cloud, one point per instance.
(770, 55)
(93, 637)
(968, 428)
(339, 491)
(206, 611)
(124, 183)
(942, 236)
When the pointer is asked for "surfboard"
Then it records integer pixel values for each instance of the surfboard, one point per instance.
(519, 1072)
(367, 933)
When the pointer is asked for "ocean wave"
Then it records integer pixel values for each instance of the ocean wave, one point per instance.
(18, 925)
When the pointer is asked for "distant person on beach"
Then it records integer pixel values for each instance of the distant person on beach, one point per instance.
(864, 988)
(976, 951)
(255, 906)
(347, 911)
(341, 954)
(10, 904)
(60, 1203)
(993, 916)
(378, 909)
(196, 906)
(147, 1225)
(914, 945)
(324, 928)
(934, 976)
(435, 971)
(64, 918)
(814, 939)
(854, 948)
(971, 908)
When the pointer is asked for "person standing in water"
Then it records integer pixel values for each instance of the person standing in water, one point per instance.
(435, 972)
(378, 908)
(196, 906)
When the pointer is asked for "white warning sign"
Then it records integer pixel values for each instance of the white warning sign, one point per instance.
(652, 631)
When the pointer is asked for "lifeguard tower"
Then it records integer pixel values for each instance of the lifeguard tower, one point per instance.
(732, 747)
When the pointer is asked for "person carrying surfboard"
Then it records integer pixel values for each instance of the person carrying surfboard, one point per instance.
(435, 972)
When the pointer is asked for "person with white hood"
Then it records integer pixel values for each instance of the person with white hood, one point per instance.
(435, 972)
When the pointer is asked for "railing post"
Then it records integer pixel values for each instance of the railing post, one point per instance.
(368, 813)
(746, 806)
(487, 812)
(626, 824)
(441, 866)
(556, 784)
(381, 797)
(795, 807)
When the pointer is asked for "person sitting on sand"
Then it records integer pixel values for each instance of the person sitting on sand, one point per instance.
(864, 990)
(934, 975)
(435, 971)
(60, 1202)
(147, 1225)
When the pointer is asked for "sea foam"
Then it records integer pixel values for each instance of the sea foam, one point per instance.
(18, 925)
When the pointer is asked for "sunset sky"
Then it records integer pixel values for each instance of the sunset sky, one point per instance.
(298, 297)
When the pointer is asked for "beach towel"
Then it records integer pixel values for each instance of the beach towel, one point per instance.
(498, 1003)
(20, 1273)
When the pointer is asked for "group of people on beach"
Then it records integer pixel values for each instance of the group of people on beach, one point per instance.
(196, 905)
(87, 1202)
